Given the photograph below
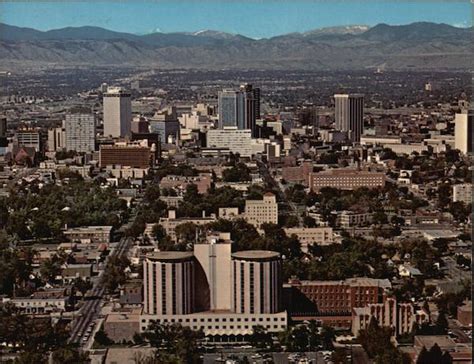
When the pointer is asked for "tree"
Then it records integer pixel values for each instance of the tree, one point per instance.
(174, 339)
(423, 357)
(51, 268)
(102, 339)
(158, 232)
(186, 233)
(309, 222)
(82, 285)
(114, 273)
(290, 221)
(434, 356)
(260, 338)
(239, 173)
(442, 323)
(69, 355)
(376, 341)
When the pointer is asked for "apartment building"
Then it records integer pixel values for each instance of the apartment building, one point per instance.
(258, 212)
(310, 236)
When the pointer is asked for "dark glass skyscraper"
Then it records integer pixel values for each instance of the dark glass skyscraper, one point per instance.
(239, 108)
(349, 114)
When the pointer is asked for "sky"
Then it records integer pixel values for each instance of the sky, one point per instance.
(252, 18)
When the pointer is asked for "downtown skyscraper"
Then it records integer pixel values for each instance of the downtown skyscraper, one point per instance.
(117, 113)
(349, 114)
(239, 108)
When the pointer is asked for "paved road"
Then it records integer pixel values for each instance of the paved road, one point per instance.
(276, 358)
(91, 309)
(268, 178)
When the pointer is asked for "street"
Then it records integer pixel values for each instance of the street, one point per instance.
(90, 311)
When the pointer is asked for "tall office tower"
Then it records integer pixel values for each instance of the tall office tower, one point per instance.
(117, 113)
(349, 114)
(3, 126)
(80, 130)
(56, 139)
(256, 282)
(239, 108)
(463, 131)
(169, 283)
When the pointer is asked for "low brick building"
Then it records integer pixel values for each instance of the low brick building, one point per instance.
(122, 325)
(337, 299)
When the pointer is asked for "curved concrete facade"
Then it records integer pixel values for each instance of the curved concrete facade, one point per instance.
(256, 282)
(169, 283)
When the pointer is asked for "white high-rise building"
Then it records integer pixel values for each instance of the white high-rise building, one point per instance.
(80, 130)
(117, 113)
(349, 114)
(463, 131)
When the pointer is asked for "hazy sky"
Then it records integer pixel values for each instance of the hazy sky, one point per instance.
(255, 19)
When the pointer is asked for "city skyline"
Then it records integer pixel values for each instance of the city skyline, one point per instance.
(244, 17)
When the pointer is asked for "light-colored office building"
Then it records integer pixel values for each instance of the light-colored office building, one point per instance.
(170, 222)
(463, 131)
(56, 139)
(310, 236)
(463, 193)
(349, 114)
(117, 113)
(80, 131)
(258, 212)
(89, 234)
(29, 139)
(408, 148)
(235, 140)
(380, 140)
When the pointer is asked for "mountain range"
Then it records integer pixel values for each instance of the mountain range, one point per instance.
(416, 46)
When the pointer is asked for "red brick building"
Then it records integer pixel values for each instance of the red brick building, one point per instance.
(333, 301)
(346, 179)
(299, 174)
(135, 156)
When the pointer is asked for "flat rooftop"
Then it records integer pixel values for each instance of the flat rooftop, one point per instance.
(256, 255)
(170, 256)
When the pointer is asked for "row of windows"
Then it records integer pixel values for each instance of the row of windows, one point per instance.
(217, 319)
(231, 327)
